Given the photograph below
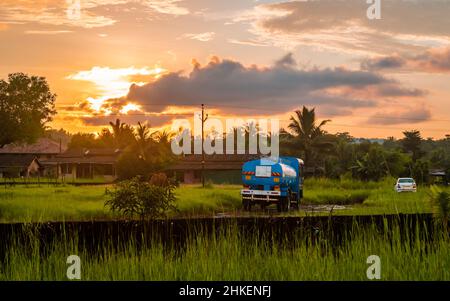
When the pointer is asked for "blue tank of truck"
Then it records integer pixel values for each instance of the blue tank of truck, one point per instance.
(272, 181)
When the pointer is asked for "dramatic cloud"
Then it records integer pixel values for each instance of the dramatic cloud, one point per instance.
(404, 115)
(433, 60)
(113, 83)
(436, 60)
(396, 91)
(344, 26)
(231, 86)
(286, 61)
(392, 62)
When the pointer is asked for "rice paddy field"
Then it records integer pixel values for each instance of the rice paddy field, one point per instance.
(41, 225)
(49, 202)
(419, 254)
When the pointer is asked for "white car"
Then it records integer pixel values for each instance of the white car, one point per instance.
(405, 184)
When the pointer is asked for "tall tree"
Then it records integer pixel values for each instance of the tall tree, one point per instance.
(26, 105)
(411, 143)
(106, 139)
(60, 135)
(309, 135)
(82, 140)
(144, 141)
(372, 165)
(123, 134)
(164, 138)
(149, 153)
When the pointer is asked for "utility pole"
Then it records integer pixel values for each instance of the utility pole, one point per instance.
(204, 118)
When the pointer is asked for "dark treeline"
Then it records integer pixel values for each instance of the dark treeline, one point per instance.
(143, 152)
(325, 154)
(341, 155)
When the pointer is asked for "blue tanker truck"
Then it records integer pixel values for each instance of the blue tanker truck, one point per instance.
(269, 181)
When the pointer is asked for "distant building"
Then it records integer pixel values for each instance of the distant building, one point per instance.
(86, 163)
(13, 166)
(20, 159)
(440, 176)
(43, 148)
(218, 168)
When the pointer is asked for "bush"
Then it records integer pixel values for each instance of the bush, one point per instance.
(209, 184)
(144, 199)
(130, 165)
(440, 200)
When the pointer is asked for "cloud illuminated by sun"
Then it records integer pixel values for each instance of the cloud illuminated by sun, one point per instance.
(115, 82)
(130, 107)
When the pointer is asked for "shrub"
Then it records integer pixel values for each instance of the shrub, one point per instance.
(159, 179)
(144, 199)
(209, 184)
(440, 200)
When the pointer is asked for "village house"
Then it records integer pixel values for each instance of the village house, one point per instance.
(86, 164)
(25, 160)
(219, 168)
(12, 166)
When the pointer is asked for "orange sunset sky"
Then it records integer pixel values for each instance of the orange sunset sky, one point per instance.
(155, 61)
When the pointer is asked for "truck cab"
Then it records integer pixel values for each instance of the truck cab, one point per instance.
(271, 180)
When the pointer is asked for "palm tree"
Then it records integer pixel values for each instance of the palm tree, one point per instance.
(164, 137)
(122, 133)
(163, 140)
(309, 136)
(142, 140)
(155, 144)
(117, 127)
(412, 142)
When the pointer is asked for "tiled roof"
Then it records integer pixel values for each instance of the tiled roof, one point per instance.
(41, 146)
(94, 156)
(14, 160)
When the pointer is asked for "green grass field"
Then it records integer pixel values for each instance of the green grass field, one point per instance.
(27, 203)
(232, 257)
(225, 256)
